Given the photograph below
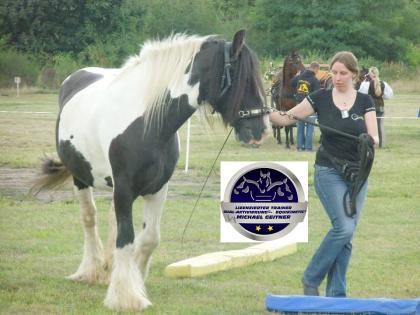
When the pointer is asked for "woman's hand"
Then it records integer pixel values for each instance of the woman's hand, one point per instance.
(301, 110)
(371, 126)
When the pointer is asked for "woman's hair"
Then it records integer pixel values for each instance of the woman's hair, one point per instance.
(348, 59)
(374, 75)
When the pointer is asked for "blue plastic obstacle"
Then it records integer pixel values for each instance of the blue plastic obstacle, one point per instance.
(328, 305)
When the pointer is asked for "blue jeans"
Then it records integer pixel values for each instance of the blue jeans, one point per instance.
(305, 133)
(333, 255)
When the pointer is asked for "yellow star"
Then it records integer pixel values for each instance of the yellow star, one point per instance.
(258, 228)
(270, 228)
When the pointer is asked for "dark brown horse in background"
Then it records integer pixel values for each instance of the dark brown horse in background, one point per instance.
(282, 93)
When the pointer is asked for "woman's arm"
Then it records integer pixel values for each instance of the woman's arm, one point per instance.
(371, 125)
(301, 110)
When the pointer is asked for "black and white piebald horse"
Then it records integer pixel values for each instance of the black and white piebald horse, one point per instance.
(118, 128)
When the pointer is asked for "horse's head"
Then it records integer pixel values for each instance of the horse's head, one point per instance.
(293, 64)
(230, 81)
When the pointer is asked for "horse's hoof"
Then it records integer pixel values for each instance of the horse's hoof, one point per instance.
(126, 302)
(90, 277)
(249, 145)
(107, 266)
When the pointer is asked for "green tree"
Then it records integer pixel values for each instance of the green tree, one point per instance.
(178, 16)
(366, 27)
(52, 26)
(104, 33)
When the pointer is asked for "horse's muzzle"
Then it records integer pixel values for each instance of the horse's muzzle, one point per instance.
(246, 138)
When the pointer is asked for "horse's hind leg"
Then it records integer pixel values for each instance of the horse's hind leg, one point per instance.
(91, 267)
(149, 238)
(126, 289)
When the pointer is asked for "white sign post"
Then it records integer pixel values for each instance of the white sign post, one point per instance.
(17, 81)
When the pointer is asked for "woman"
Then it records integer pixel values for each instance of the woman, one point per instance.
(379, 90)
(349, 111)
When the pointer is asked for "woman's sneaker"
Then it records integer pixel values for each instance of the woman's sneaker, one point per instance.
(309, 290)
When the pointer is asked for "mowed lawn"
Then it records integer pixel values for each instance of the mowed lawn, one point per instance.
(41, 242)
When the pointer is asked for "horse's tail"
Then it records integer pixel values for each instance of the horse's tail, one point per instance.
(53, 175)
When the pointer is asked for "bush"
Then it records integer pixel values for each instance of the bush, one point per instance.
(413, 56)
(12, 64)
(47, 78)
(54, 72)
(64, 65)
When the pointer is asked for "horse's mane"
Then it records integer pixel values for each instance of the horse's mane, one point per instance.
(246, 72)
(165, 62)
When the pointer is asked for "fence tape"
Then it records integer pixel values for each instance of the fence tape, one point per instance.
(20, 112)
(40, 113)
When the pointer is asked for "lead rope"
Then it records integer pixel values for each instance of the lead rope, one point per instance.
(317, 125)
(204, 185)
(360, 173)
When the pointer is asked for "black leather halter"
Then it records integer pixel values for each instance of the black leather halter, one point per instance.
(226, 83)
(255, 112)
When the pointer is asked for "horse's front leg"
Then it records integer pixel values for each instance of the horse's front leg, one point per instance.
(91, 267)
(126, 290)
(292, 139)
(149, 238)
(287, 132)
(274, 131)
(279, 135)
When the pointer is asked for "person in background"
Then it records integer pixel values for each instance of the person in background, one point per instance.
(305, 83)
(324, 78)
(348, 111)
(379, 90)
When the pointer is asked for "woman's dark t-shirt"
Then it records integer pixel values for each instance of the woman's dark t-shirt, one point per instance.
(329, 115)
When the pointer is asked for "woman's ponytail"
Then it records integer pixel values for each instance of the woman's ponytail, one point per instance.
(374, 75)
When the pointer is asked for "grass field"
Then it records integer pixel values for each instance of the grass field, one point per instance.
(41, 242)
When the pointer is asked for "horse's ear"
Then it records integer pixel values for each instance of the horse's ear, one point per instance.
(238, 43)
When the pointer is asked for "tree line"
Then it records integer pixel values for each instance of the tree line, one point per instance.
(68, 33)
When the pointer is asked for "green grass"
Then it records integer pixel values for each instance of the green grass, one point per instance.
(41, 243)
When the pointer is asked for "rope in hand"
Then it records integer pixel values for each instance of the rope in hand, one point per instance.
(366, 151)
(318, 125)
(355, 173)
(204, 185)
(358, 174)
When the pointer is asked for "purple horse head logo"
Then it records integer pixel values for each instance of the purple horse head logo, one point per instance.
(264, 189)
